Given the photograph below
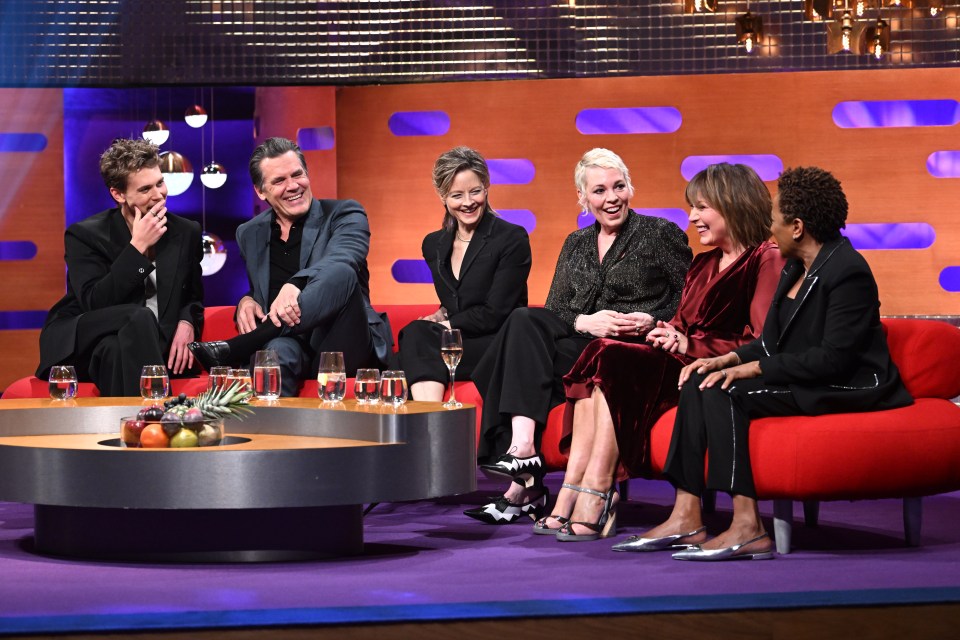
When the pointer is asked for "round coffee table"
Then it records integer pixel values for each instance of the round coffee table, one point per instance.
(291, 487)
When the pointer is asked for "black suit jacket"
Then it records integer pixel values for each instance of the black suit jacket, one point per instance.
(104, 270)
(832, 351)
(493, 275)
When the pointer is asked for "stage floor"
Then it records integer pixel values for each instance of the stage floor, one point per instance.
(425, 561)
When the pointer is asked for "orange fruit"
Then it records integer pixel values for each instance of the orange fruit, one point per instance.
(153, 437)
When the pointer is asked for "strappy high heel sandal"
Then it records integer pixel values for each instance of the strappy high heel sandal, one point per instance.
(605, 526)
(540, 526)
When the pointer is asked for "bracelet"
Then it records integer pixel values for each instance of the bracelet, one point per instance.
(583, 333)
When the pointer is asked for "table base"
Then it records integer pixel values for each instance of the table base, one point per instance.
(199, 535)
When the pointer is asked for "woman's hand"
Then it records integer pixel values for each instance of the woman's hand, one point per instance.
(644, 322)
(607, 324)
(665, 336)
(706, 365)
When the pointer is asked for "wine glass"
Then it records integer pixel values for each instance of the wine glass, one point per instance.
(451, 349)
(154, 382)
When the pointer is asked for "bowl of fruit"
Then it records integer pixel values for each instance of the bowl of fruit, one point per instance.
(184, 423)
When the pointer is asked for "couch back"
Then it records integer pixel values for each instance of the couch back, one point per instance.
(927, 352)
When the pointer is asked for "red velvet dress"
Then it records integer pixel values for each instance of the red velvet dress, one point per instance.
(718, 312)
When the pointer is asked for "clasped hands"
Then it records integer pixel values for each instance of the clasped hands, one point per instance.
(723, 369)
(613, 324)
(285, 310)
(665, 336)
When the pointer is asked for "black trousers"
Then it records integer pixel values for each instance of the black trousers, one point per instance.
(520, 374)
(114, 344)
(717, 423)
(419, 355)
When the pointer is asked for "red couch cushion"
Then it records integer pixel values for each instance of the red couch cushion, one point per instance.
(927, 353)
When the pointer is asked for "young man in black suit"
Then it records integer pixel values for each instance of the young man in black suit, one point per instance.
(134, 292)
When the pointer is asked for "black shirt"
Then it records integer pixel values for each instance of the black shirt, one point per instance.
(284, 258)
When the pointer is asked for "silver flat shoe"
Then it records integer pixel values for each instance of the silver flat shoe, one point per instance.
(666, 543)
(696, 552)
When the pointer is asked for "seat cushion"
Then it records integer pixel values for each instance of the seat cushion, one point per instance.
(927, 353)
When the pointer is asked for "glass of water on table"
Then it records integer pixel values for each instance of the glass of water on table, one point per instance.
(154, 382)
(63, 382)
(331, 377)
(266, 375)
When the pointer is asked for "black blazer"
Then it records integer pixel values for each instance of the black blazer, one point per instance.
(493, 276)
(832, 351)
(104, 270)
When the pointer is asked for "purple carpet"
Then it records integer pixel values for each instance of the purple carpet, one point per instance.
(425, 561)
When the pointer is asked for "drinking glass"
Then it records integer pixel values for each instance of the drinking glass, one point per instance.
(217, 377)
(154, 382)
(451, 349)
(266, 375)
(393, 388)
(366, 386)
(63, 382)
(239, 375)
(331, 376)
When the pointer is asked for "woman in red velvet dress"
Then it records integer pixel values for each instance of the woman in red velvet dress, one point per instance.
(620, 389)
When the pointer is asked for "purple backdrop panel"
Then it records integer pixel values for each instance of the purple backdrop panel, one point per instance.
(944, 164)
(523, 217)
(768, 166)
(23, 319)
(950, 279)
(411, 272)
(891, 235)
(419, 123)
(677, 216)
(20, 142)
(316, 138)
(511, 171)
(869, 114)
(629, 120)
(17, 250)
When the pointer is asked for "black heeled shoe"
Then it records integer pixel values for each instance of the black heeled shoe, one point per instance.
(605, 526)
(529, 470)
(210, 354)
(502, 511)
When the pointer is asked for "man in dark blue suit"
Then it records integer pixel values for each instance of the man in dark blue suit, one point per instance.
(306, 262)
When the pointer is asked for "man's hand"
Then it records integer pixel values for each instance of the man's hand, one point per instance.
(180, 357)
(249, 314)
(286, 308)
(437, 316)
(148, 227)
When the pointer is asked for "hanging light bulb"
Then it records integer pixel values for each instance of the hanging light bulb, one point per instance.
(177, 172)
(749, 30)
(861, 7)
(213, 175)
(700, 6)
(156, 132)
(845, 34)
(878, 36)
(214, 254)
(936, 6)
(195, 116)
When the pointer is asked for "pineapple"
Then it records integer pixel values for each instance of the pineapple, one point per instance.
(224, 402)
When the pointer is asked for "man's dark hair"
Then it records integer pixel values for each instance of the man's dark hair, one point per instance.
(272, 148)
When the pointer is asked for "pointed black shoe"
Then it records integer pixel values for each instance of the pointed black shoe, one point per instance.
(210, 354)
(502, 511)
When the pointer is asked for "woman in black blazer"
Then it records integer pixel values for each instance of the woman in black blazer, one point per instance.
(822, 350)
(479, 265)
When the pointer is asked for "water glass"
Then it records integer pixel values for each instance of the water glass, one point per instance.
(393, 388)
(239, 375)
(154, 382)
(266, 375)
(217, 377)
(331, 376)
(63, 382)
(366, 386)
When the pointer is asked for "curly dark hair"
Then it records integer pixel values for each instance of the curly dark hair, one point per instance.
(126, 156)
(814, 196)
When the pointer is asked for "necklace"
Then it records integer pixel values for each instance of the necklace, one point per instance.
(462, 240)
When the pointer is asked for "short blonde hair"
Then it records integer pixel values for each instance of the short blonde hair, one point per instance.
(598, 158)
